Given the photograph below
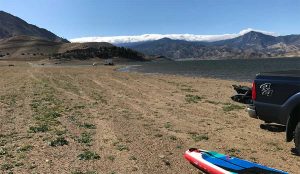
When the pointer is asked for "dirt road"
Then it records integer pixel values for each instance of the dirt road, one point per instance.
(97, 120)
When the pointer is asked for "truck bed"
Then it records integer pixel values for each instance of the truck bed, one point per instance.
(289, 73)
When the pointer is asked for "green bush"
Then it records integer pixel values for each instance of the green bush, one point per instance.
(39, 128)
(60, 141)
(192, 98)
(88, 155)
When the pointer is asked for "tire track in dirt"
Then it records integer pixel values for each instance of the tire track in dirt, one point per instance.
(191, 124)
(137, 129)
(152, 97)
(146, 114)
(104, 137)
(167, 116)
(118, 122)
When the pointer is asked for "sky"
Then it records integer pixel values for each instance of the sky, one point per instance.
(93, 18)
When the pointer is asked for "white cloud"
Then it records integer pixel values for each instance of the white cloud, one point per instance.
(151, 37)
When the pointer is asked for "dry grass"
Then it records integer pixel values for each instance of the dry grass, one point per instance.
(97, 120)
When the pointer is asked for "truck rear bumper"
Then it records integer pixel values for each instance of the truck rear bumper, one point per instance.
(251, 111)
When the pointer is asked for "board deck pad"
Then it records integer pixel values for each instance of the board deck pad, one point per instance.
(216, 163)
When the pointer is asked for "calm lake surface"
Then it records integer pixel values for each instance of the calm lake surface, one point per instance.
(237, 69)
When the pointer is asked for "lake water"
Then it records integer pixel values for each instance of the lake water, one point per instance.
(235, 69)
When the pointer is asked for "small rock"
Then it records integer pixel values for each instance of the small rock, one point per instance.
(167, 162)
(135, 168)
(161, 156)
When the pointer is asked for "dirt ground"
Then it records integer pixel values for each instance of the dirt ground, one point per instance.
(85, 120)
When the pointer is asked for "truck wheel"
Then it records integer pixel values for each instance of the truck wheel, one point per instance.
(297, 138)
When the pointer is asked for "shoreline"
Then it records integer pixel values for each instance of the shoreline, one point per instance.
(235, 69)
(135, 69)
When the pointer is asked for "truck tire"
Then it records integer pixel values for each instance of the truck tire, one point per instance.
(297, 138)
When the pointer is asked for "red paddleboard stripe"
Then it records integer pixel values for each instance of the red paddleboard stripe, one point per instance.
(202, 164)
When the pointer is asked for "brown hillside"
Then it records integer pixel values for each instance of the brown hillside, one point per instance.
(11, 26)
(35, 48)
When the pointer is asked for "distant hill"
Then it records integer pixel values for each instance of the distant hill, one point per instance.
(23, 41)
(11, 26)
(258, 41)
(250, 45)
(175, 49)
(35, 48)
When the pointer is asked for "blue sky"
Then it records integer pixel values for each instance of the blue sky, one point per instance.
(82, 18)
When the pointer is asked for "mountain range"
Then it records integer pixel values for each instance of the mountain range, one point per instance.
(20, 40)
(250, 45)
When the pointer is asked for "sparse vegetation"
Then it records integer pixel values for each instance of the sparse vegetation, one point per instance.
(233, 152)
(6, 166)
(39, 128)
(9, 99)
(132, 158)
(173, 137)
(3, 151)
(189, 89)
(88, 126)
(40, 109)
(85, 138)
(158, 135)
(60, 132)
(60, 141)
(179, 146)
(122, 147)
(192, 98)
(212, 102)
(168, 125)
(111, 158)
(99, 98)
(275, 146)
(46, 107)
(18, 164)
(87, 172)
(88, 155)
(25, 148)
(230, 107)
(79, 107)
(101, 52)
(198, 137)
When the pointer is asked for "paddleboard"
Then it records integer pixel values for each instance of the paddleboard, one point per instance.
(216, 163)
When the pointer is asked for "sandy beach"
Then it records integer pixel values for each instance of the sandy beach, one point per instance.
(98, 120)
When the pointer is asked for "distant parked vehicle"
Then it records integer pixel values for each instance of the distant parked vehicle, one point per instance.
(276, 99)
(109, 62)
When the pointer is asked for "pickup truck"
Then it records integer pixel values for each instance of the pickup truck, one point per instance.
(276, 99)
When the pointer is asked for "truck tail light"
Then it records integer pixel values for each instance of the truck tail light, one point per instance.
(253, 91)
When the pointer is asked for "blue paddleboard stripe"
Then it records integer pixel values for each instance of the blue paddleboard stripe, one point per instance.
(235, 164)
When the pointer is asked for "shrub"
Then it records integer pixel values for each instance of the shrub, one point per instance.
(88, 155)
(197, 137)
(88, 126)
(25, 148)
(231, 107)
(60, 141)
(40, 128)
(85, 138)
(192, 98)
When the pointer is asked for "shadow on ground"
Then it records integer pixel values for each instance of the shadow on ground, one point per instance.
(273, 127)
